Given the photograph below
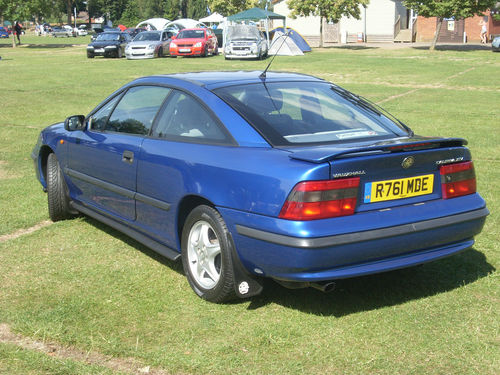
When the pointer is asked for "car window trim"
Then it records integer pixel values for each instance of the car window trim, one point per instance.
(122, 93)
(230, 141)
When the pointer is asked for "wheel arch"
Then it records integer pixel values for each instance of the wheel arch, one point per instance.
(43, 156)
(186, 205)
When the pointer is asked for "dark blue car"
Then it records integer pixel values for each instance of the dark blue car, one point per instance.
(248, 176)
(3, 33)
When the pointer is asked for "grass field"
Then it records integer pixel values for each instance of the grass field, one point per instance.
(79, 298)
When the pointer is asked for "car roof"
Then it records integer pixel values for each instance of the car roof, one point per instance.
(227, 78)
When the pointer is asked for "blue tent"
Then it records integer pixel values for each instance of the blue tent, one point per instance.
(296, 37)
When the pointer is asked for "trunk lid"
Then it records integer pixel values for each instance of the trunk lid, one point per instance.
(395, 172)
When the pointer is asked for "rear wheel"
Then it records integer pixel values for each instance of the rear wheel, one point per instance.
(57, 191)
(206, 255)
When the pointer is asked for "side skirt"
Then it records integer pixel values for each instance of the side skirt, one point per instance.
(139, 237)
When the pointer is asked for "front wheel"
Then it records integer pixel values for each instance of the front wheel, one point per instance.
(57, 191)
(206, 255)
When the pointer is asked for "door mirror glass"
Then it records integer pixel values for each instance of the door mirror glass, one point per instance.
(76, 122)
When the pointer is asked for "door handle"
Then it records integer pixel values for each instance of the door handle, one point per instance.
(128, 157)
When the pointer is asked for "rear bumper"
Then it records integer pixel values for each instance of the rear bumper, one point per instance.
(282, 255)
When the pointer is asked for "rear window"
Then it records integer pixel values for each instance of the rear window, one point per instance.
(298, 113)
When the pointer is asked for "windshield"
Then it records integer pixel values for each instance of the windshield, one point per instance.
(294, 113)
(243, 32)
(107, 37)
(191, 34)
(149, 36)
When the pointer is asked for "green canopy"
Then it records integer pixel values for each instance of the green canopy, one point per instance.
(255, 14)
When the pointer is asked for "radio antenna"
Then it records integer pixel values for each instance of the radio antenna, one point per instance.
(263, 74)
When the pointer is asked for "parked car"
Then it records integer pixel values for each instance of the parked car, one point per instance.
(194, 42)
(149, 44)
(70, 29)
(108, 44)
(5, 29)
(133, 31)
(82, 30)
(245, 42)
(495, 44)
(58, 31)
(3, 33)
(250, 175)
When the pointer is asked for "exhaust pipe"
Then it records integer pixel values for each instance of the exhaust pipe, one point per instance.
(326, 287)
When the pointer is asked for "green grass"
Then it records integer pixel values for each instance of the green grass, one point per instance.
(78, 283)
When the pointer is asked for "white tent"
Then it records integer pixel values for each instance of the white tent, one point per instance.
(283, 45)
(213, 18)
(184, 23)
(155, 23)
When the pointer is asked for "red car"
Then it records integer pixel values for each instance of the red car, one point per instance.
(194, 42)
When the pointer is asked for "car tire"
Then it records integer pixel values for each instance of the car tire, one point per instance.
(206, 255)
(205, 51)
(90, 56)
(57, 191)
(216, 51)
(160, 52)
(119, 53)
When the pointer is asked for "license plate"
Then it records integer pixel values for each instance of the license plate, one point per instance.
(400, 188)
(184, 50)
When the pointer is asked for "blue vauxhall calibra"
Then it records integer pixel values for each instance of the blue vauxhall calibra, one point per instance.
(248, 175)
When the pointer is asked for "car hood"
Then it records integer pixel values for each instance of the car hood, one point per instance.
(104, 43)
(144, 43)
(190, 40)
(325, 153)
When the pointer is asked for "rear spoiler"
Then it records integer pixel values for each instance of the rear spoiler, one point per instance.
(324, 154)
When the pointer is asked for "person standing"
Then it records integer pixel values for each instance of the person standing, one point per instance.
(17, 29)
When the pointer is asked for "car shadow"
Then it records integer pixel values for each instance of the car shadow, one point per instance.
(356, 294)
(51, 46)
(381, 290)
(174, 265)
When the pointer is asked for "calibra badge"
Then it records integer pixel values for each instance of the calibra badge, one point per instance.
(408, 162)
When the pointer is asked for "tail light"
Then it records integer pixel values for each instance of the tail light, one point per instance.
(457, 179)
(313, 200)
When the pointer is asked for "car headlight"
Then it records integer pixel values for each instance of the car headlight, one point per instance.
(110, 47)
(199, 44)
(90, 47)
(152, 46)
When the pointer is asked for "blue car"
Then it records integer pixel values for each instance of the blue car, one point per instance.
(251, 175)
(3, 33)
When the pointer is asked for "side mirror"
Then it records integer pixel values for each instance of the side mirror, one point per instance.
(73, 123)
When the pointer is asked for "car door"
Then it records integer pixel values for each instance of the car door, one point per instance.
(172, 160)
(103, 157)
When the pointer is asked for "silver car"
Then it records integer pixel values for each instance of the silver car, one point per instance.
(245, 42)
(149, 44)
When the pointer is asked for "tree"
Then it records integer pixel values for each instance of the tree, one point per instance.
(329, 10)
(21, 10)
(229, 7)
(441, 9)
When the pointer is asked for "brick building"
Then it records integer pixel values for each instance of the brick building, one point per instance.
(452, 31)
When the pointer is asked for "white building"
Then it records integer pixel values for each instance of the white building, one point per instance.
(381, 21)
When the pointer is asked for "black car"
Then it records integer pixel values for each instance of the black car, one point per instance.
(108, 44)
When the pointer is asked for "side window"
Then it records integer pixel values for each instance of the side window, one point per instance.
(99, 119)
(184, 118)
(137, 109)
